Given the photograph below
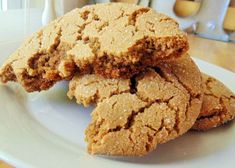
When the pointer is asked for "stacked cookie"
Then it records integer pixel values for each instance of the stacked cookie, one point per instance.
(130, 61)
(218, 106)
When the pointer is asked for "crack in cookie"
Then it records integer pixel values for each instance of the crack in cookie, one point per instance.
(133, 17)
(92, 88)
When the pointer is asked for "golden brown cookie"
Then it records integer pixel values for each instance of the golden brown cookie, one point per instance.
(133, 116)
(113, 40)
(91, 88)
(218, 105)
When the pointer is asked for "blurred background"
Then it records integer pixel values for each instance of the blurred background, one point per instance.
(213, 19)
(209, 23)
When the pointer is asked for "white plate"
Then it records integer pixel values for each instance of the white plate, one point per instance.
(46, 130)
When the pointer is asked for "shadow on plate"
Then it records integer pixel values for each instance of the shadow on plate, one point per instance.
(58, 93)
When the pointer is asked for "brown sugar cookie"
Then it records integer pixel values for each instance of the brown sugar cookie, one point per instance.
(113, 40)
(133, 116)
(91, 88)
(218, 105)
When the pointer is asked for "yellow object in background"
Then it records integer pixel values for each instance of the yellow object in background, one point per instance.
(186, 8)
(4, 165)
(229, 21)
(189, 8)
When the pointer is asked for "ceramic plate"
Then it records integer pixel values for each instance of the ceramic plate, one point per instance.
(46, 130)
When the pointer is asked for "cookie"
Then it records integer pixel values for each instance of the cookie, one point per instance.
(91, 88)
(133, 116)
(218, 105)
(113, 40)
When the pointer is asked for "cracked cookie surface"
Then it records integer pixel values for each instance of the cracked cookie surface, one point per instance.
(91, 88)
(113, 40)
(218, 105)
(151, 108)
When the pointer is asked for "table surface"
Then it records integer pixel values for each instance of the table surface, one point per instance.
(216, 52)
